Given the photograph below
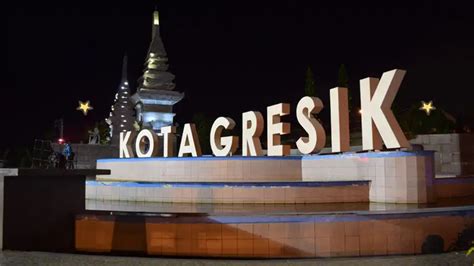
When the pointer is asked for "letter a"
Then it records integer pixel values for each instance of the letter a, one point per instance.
(189, 142)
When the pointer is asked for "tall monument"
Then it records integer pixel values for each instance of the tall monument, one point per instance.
(121, 117)
(155, 97)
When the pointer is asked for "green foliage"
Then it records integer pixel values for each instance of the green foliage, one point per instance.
(309, 84)
(203, 128)
(342, 78)
(414, 121)
(104, 132)
(470, 250)
(343, 81)
(464, 240)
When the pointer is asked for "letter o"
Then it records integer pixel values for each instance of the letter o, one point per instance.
(140, 145)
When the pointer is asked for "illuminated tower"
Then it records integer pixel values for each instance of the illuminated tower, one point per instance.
(121, 117)
(155, 97)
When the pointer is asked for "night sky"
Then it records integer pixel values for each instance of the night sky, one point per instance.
(227, 58)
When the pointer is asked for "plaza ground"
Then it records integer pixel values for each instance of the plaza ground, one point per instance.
(43, 258)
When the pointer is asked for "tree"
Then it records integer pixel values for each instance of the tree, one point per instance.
(414, 121)
(309, 84)
(342, 78)
(203, 128)
(343, 81)
(104, 132)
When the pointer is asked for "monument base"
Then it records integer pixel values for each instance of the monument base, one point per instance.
(341, 183)
(392, 176)
(296, 234)
(231, 192)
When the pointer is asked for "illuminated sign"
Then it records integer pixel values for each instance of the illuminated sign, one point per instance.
(378, 126)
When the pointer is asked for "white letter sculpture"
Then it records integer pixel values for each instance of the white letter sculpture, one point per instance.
(275, 129)
(125, 146)
(376, 99)
(168, 137)
(252, 128)
(316, 135)
(339, 119)
(140, 144)
(223, 146)
(189, 142)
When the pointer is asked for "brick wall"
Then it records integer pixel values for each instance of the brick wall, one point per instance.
(454, 154)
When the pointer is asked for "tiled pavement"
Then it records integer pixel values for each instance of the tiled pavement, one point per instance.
(42, 258)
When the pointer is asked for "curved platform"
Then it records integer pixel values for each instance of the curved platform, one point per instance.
(354, 204)
(395, 176)
(230, 192)
(275, 234)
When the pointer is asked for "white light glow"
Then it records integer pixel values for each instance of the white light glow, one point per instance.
(156, 18)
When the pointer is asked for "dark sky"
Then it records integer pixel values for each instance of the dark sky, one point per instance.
(229, 57)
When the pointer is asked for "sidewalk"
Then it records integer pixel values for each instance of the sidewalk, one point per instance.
(42, 258)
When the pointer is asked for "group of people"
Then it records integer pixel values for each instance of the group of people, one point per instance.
(64, 159)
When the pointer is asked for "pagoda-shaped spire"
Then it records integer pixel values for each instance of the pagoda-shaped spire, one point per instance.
(124, 69)
(155, 97)
(156, 45)
(155, 75)
(122, 115)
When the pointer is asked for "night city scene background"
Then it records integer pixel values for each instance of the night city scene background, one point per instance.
(159, 131)
(228, 58)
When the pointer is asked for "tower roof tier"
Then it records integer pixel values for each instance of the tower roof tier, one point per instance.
(160, 97)
(159, 80)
